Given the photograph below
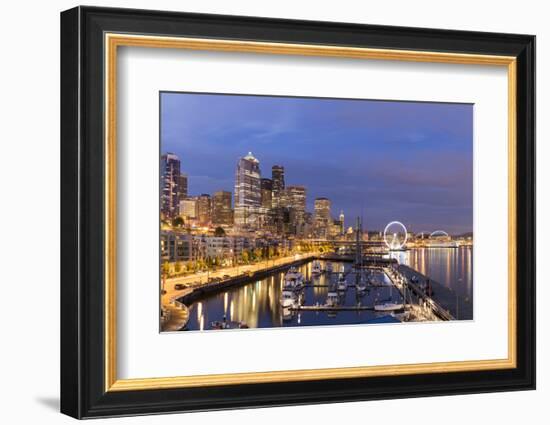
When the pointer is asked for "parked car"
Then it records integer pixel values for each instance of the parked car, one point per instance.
(226, 276)
(179, 286)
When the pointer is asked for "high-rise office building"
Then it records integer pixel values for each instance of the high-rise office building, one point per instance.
(170, 177)
(222, 214)
(341, 219)
(295, 201)
(182, 186)
(204, 207)
(248, 193)
(278, 184)
(188, 208)
(296, 198)
(267, 193)
(322, 216)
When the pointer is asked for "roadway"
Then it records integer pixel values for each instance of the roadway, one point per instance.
(199, 279)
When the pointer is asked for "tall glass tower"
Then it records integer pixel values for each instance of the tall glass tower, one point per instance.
(170, 181)
(248, 193)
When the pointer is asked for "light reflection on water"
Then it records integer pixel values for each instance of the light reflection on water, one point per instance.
(258, 303)
(451, 267)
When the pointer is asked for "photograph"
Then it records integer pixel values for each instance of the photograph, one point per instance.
(280, 211)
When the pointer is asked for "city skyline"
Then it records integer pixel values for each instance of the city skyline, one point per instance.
(416, 165)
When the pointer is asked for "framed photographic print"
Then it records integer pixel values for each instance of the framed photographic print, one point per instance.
(261, 212)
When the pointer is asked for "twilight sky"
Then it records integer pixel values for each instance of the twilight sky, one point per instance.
(406, 161)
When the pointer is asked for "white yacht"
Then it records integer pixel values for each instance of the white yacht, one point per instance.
(333, 298)
(289, 299)
(388, 306)
(342, 284)
(294, 280)
(316, 269)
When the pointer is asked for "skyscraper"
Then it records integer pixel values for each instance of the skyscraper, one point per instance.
(169, 185)
(296, 197)
(204, 207)
(278, 179)
(267, 193)
(248, 193)
(322, 217)
(182, 186)
(222, 214)
(295, 200)
(188, 208)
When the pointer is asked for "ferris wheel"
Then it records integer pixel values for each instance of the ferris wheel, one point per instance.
(395, 235)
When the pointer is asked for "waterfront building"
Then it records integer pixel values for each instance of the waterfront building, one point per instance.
(248, 193)
(204, 207)
(341, 218)
(170, 181)
(322, 217)
(242, 243)
(222, 213)
(220, 247)
(176, 246)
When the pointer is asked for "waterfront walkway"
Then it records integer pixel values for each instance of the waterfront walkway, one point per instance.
(177, 316)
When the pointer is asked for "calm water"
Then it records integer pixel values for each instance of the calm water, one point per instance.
(258, 303)
(451, 267)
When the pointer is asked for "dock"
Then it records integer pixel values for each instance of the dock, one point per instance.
(401, 279)
(446, 302)
(332, 308)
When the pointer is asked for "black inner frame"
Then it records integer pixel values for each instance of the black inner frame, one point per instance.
(82, 212)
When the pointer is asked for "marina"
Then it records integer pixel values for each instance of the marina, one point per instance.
(316, 291)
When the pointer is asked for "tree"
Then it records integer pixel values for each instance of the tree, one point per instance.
(178, 222)
(165, 268)
(244, 257)
(178, 267)
(219, 232)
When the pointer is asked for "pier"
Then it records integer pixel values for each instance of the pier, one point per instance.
(176, 316)
(406, 287)
(416, 298)
(240, 280)
(332, 308)
(443, 299)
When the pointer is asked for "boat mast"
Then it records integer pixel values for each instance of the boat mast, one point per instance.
(358, 249)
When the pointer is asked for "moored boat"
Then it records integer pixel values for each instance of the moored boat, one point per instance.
(294, 280)
(361, 285)
(333, 299)
(289, 299)
(316, 268)
(224, 324)
(342, 284)
(388, 306)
